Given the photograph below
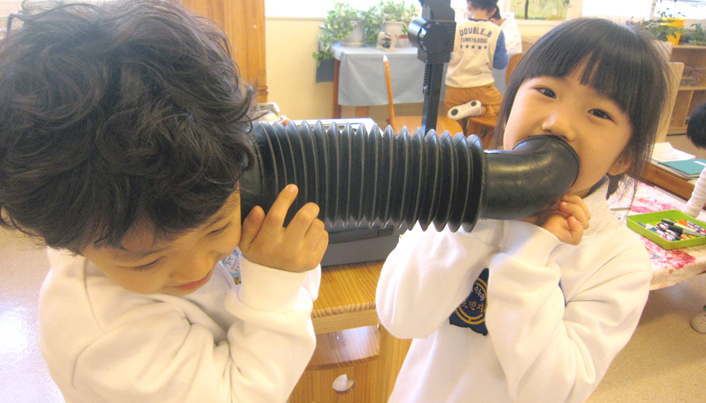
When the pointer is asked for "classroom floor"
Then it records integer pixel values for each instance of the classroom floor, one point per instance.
(665, 361)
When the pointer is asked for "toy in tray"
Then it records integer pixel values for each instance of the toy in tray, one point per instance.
(670, 229)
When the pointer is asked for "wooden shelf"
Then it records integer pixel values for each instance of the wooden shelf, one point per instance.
(689, 96)
(654, 175)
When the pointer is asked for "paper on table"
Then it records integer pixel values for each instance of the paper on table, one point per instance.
(664, 152)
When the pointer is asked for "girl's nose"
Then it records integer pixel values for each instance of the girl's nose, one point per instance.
(560, 122)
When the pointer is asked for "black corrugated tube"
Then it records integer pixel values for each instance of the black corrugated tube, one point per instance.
(379, 177)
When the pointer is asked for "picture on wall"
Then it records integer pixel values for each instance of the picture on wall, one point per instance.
(540, 9)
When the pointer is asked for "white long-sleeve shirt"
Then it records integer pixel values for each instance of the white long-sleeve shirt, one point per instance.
(513, 38)
(479, 46)
(221, 343)
(698, 197)
(556, 315)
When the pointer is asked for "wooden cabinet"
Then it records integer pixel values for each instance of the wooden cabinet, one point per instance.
(691, 94)
(244, 23)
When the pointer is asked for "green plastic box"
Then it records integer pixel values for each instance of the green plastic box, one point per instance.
(656, 218)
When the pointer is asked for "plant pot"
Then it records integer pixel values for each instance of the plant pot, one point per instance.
(356, 38)
(395, 28)
(678, 23)
(403, 42)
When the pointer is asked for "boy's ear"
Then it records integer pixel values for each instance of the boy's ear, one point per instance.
(621, 165)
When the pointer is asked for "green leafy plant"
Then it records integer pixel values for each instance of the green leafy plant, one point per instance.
(696, 35)
(342, 19)
(339, 23)
(398, 11)
(660, 28)
(372, 21)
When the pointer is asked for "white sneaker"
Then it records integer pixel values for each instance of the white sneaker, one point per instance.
(473, 108)
(698, 322)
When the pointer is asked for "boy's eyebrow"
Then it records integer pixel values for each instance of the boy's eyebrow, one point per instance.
(125, 254)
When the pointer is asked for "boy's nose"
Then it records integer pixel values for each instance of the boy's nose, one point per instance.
(194, 269)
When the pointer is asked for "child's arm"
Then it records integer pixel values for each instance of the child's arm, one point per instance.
(553, 346)
(500, 58)
(428, 275)
(698, 197)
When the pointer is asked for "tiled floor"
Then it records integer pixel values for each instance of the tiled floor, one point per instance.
(24, 377)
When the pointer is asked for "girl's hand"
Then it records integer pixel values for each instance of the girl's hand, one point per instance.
(567, 220)
(296, 248)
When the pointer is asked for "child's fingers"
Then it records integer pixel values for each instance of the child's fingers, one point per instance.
(278, 212)
(574, 206)
(314, 234)
(321, 246)
(251, 227)
(302, 221)
(575, 230)
(573, 199)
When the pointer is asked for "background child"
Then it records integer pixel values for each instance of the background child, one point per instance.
(478, 48)
(123, 133)
(511, 31)
(696, 132)
(535, 310)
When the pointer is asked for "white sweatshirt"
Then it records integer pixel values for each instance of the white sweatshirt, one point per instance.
(557, 314)
(479, 46)
(513, 38)
(222, 343)
(698, 197)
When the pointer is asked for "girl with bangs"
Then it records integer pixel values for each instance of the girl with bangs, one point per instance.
(535, 310)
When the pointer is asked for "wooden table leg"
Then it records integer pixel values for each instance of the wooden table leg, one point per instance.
(362, 111)
(336, 72)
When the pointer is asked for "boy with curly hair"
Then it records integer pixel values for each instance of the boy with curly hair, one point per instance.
(123, 134)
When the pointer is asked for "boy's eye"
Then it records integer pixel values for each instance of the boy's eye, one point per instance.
(599, 113)
(146, 266)
(546, 92)
(218, 231)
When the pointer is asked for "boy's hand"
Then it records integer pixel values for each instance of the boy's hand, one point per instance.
(297, 248)
(566, 221)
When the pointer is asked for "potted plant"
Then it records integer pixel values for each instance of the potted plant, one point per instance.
(665, 28)
(396, 17)
(371, 20)
(696, 35)
(338, 24)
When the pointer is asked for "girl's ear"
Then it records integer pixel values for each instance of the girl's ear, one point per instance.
(621, 165)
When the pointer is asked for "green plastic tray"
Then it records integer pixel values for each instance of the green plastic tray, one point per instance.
(655, 218)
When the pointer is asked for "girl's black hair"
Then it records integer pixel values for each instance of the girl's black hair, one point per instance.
(619, 62)
(129, 112)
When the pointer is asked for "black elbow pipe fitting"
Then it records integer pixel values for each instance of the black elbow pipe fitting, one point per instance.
(379, 177)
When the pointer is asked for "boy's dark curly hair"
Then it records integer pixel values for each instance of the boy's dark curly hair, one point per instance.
(129, 112)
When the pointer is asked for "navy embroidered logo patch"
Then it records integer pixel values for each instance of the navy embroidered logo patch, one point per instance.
(471, 312)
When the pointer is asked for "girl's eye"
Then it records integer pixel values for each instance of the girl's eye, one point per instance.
(218, 231)
(546, 92)
(599, 113)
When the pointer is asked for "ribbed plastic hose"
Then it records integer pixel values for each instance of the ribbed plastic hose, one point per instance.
(379, 177)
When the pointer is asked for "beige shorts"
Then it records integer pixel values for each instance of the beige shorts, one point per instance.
(489, 97)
